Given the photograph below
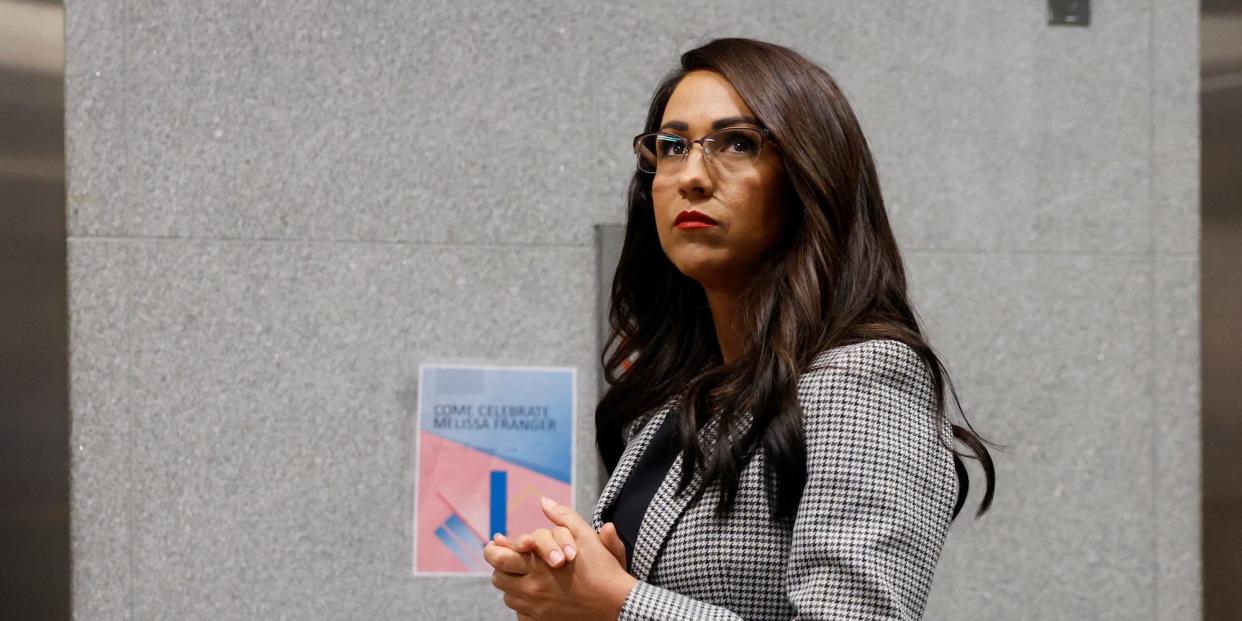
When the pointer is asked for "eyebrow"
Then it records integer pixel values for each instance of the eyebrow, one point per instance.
(717, 124)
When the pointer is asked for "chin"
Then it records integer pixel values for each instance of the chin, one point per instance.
(698, 267)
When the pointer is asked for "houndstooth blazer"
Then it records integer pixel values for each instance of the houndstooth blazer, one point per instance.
(869, 529)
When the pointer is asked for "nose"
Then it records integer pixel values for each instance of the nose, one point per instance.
(695, 175)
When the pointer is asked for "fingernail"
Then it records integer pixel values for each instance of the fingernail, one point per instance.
(570, 552)
(556, 558)
(547, 502)
(497, 536)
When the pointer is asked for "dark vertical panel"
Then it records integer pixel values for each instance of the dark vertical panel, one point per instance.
(608, 240)
(34, 416)
(1221, 261)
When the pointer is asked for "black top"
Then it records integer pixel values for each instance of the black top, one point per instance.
(626, 512)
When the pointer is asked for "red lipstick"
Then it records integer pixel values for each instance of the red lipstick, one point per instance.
(691, 219)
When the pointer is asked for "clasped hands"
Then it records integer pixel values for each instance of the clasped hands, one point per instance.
(566, 573)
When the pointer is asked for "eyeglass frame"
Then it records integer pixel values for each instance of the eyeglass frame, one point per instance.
(764, 133)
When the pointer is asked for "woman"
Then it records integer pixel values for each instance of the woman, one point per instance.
(760, 292)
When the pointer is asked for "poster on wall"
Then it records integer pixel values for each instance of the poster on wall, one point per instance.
(491, 440)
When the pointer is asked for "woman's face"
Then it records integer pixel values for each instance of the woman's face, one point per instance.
(745, 203)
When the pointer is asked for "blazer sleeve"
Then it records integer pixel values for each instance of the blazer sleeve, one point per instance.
(877, 504)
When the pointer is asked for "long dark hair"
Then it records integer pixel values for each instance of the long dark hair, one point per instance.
(836, 279)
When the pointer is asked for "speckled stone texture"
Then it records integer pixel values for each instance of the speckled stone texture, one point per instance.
(278, 209)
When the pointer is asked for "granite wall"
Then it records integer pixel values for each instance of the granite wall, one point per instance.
(276, 210)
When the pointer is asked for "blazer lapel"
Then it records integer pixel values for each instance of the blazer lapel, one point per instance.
(666, 505)
(634, 449)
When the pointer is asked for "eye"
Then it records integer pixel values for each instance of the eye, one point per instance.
(670, 145)
(738, 142)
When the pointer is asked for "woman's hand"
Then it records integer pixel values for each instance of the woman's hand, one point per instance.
(557, 545)
(593, 586)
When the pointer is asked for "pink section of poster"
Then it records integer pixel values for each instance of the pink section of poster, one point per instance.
(453, 478)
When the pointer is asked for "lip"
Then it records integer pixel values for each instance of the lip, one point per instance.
(691, 219)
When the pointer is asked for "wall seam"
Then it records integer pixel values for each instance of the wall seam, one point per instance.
(1153, 317)
(127, 295)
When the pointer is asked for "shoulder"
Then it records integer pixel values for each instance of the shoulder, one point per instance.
(875, 380)
(889, 360)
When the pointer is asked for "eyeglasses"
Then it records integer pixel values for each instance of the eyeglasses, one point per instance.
(733, 149)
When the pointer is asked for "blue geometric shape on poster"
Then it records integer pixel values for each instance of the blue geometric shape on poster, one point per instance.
(499, 491)
(520, 414)
(466, 558)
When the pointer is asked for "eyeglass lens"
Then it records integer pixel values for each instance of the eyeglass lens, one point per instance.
(733, 149)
